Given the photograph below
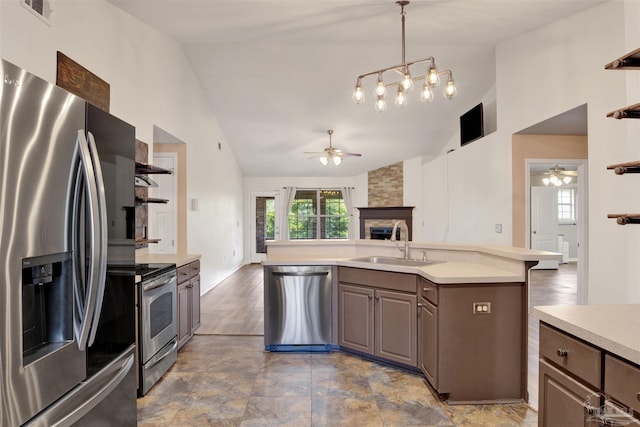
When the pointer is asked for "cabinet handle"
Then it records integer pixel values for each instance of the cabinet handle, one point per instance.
(561, 352)
(369, 296)
(377, 298)
(425, 289)
(420, 305)
(638, 396)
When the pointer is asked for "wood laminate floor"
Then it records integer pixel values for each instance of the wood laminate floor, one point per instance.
(224, 378)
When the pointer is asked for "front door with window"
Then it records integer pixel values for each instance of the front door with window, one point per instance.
(264, 206)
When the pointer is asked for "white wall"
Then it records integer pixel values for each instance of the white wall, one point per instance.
(539, 75)
(467, 192)
(152, 83)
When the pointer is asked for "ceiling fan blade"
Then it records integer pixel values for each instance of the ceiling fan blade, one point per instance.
(351, 154)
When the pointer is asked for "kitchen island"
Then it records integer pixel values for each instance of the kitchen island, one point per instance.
(459, 317)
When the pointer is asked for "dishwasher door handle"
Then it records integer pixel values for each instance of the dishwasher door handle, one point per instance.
(300, 273)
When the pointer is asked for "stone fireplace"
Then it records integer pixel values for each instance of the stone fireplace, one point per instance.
(384, 217)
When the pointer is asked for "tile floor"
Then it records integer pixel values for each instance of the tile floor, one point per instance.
(228, 380)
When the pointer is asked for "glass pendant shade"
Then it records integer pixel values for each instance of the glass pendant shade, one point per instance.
(337, 160)
(427, 93)
(407, 82)
(380, 89)
(358, 94)
(546, 181)
(401, 98)
(566, 179)
(432, 77)
(450, 89)
(324, 160)
(381, 104)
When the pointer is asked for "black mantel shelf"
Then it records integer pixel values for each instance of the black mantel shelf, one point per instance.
(387, 212)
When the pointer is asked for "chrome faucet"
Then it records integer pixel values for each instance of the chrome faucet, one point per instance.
(402, 224)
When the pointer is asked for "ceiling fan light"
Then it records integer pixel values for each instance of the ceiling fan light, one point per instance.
(380, 104)
(546, 181)
(337, 160)
(566, 179)
(324, 160)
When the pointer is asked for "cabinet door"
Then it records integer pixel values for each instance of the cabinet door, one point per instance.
(355, 318)
(195, 302)
(396, 327)
(429, 342)
(184, 313)
(562, 399)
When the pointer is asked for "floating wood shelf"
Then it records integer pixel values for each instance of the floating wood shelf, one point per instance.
(143, 168)
(624, 219)
(630, 61)
(150, 200)
(143, 241)
(628, 167)
(630, 112)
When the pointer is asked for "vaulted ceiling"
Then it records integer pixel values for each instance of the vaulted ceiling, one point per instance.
(280, 73)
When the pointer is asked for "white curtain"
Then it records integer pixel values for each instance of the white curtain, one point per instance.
(289, 196)
(348, 203)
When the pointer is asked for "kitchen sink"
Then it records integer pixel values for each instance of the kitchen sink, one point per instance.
(394, 261)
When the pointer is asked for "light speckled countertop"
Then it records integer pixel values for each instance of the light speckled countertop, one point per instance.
(442, 273)
(612, 327)
(177, 259)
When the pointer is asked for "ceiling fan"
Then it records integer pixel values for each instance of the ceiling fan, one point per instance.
(330, 154)
(558, 175)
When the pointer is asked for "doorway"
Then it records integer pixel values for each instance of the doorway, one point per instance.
(163, 217)
(265, 224)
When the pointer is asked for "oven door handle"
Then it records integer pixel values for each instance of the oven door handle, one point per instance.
(158, 358)
(156, 284)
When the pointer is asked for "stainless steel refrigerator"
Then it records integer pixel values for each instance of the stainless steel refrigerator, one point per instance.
(67, 307)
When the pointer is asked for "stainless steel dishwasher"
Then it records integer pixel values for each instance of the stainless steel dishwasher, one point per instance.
(298, 308)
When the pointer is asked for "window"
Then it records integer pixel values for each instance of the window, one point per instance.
(318, 214)
(566, 205)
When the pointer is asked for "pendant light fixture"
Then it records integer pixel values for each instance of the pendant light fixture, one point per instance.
(430, 78)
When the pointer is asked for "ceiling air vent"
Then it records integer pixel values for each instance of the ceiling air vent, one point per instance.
(40, 8)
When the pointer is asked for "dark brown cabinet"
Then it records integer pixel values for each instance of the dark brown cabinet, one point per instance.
(377, 314)
(581, 384)
(188, 301)
(472, 340)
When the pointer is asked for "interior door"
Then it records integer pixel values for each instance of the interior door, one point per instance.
(544, 223)
(265, 214)
(163, 216)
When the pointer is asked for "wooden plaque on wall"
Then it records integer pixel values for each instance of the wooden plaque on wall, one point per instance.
(81, 82)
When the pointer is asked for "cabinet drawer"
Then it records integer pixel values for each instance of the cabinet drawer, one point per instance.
(622, 382)
(428, 290)
(184, 273)
(194, 268)
(378, 279)
(578, 358)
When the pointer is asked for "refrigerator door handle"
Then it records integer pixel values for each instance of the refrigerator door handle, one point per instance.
(85, 299)
(102, 237)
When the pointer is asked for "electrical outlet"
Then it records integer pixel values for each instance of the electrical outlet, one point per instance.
(481, 308)
(498, 228)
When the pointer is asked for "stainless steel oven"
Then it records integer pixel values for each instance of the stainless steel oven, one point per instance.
(157, 324)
